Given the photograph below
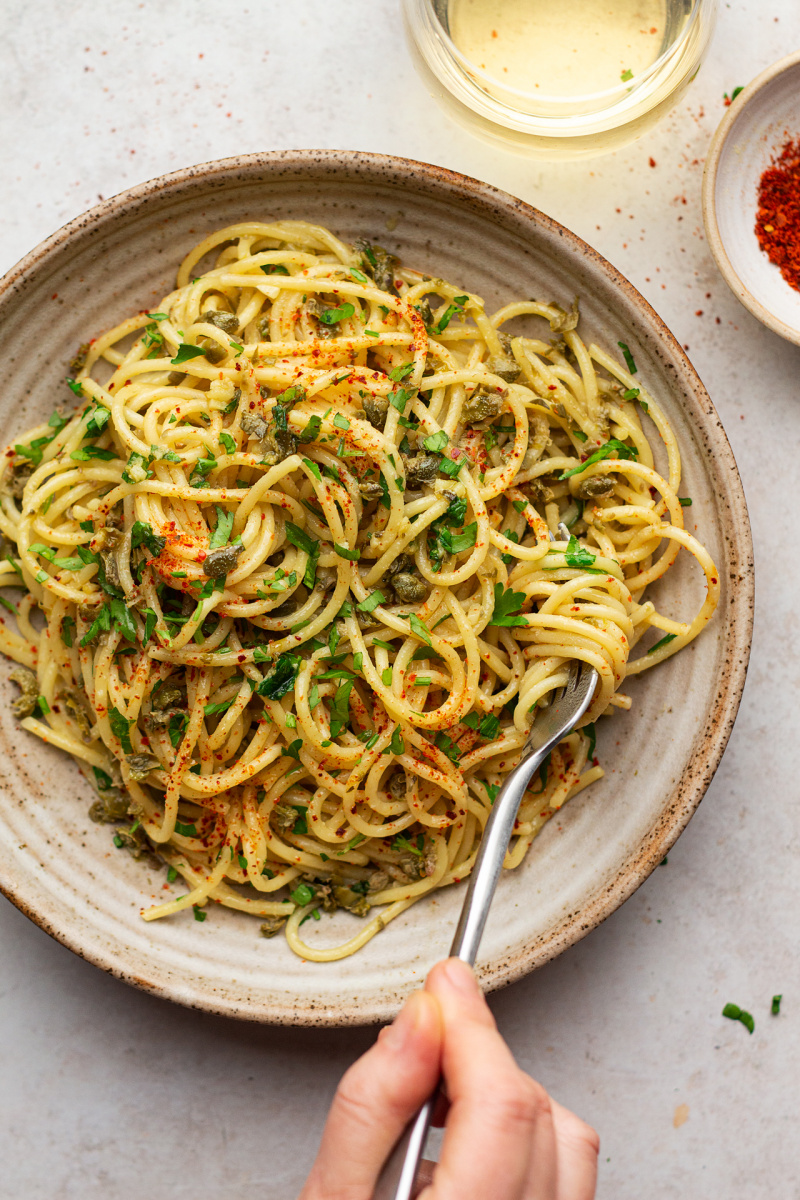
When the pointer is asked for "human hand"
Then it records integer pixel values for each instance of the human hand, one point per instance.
(505, 1139)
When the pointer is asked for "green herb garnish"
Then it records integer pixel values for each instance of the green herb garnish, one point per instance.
(507, 604)
(734, 1013)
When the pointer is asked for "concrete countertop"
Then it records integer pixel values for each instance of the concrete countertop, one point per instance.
(108, 1093)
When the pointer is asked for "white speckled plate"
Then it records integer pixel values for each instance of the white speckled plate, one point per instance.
(750, 134)
(64, 872)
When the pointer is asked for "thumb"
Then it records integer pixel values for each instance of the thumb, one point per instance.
(375, 1100)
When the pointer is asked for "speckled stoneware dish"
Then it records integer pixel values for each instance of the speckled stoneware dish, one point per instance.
(64, 872)
(749, 136)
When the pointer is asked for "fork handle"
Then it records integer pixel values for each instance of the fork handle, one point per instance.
(396, 1180)
(489, 860)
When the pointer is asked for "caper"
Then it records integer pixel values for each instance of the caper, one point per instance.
(219, 562)
(370, 490)
(285, 816)
(375, 410)
(74, 703)
(271, 926)
(225, 321)
(505, 366)
(378, 263)
(140, 765)
(24, 705)
(278, 445)
(594, 486)
(481, 405)
(422, 469)
(408, 588)
(426, 312)
(402, 563)
(17, 476)
(212, 350)
(352, 901)
(397, 784)
(565, 321)
(167, 696)
(254, 424)
(79, 361)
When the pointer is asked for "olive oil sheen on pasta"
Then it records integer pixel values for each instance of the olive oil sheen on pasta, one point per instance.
(564, 48)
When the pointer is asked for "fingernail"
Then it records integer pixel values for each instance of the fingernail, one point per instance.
(461, 977)
(406, 1023)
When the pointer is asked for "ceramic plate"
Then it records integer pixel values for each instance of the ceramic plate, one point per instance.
(752, 132)
(64, 872)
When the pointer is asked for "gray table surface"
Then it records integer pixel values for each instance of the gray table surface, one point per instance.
(106, 1092)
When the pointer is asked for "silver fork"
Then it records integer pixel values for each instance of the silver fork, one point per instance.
(399, 1173)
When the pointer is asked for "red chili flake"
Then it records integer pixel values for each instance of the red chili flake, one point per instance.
(778, 217)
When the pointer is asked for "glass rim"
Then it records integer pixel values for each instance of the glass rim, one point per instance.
(611, 95)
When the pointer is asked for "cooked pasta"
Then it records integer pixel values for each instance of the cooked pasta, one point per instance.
(293, 577)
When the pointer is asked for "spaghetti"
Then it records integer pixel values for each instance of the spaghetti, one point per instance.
(294, 555)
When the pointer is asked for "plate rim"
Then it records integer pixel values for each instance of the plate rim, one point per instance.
(712, 740)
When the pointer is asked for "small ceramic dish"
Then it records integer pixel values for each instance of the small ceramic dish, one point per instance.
(64, 871)
(750, 135)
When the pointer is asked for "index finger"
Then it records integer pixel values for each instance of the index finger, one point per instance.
(498, 1116)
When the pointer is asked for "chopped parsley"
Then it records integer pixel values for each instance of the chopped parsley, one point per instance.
(397, 744)
(282, 678)
(404, 845)
(398, 374)
(612, 449)
(98, 419)
(345, 552)
(120, 727)
(456, 308)
(372, 601)
(419, 629)
(299, 538)
(577, 555)
(436, 442)
(185, 353)
(507, 605)
(734, 1013)
(631, 365)
(448, 746)
(399, 398)
(142, 535)
(451, 466)
(293, 751)
(332, 316)
(223, 529)
(456, 543)
(665, 640)
(487, 726)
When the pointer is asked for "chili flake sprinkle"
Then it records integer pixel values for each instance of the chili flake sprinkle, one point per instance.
(778, 217)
